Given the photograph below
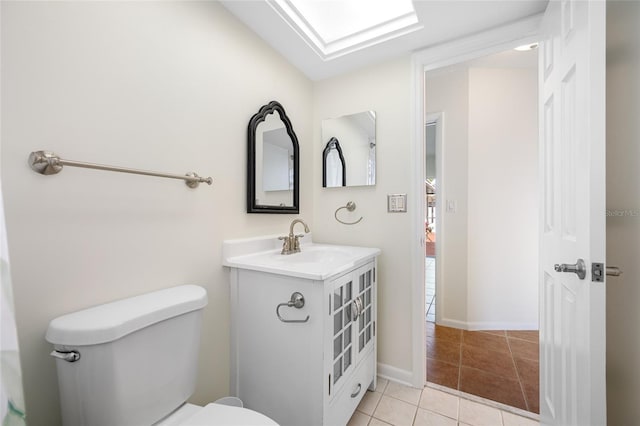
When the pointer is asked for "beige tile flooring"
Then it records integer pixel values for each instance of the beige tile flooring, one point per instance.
(399, 405)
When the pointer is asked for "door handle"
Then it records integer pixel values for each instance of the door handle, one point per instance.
(598, 272)
(579, 268)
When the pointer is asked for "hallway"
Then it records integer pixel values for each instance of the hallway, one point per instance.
(499, 365)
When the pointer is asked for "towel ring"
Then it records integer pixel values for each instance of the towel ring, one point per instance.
(351, 206)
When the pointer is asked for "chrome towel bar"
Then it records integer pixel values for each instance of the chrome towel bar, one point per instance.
(49, 163)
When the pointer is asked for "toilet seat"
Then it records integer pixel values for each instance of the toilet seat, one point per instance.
(218, 414)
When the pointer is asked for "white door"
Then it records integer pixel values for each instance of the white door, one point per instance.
(572, 225)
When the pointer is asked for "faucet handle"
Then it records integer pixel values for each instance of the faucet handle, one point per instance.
(296, 243)
(286, 245)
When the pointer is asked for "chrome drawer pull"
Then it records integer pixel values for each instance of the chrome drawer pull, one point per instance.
(357, 391)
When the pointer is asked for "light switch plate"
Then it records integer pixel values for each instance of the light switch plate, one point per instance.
(397, 203)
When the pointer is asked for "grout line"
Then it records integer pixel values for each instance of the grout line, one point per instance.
(460, 361)
(513, 360)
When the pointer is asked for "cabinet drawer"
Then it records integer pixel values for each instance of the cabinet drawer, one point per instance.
(344, 403)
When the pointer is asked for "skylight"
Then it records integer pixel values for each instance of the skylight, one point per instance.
(336, 27)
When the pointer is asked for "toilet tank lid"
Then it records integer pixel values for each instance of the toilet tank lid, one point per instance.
(111, 321)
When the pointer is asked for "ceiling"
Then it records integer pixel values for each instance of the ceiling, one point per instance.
(439, 21)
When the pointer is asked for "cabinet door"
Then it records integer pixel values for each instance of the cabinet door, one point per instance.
(364, 319)
(342, 352)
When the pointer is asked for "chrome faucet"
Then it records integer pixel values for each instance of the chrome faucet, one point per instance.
(291, 242)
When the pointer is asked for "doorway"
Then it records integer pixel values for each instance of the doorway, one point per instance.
(430, 223)
(481, 331)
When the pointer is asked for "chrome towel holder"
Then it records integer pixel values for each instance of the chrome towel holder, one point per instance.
(296, 301)
(351, 206)
(49, 163)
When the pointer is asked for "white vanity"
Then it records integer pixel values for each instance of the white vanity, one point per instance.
(303, 329)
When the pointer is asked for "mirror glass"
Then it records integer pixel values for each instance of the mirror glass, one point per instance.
(349, 150)
(273, 162)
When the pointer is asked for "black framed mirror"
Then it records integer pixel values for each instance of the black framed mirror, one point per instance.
(273, 162)
(334, 169)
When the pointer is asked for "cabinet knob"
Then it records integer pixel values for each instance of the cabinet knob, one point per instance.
(356, 308)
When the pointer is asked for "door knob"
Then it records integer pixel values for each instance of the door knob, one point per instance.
(578, 268)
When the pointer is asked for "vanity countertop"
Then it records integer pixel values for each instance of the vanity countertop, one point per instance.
(314, 261)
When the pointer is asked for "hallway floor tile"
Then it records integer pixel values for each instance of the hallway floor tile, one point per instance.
(502, 366)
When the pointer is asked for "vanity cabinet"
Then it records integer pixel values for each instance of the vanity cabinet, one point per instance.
(310, 365)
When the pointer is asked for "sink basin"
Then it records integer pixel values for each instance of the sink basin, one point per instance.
(315, 261)
(319, 253)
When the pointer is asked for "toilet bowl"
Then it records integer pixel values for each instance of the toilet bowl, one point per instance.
(134, 362)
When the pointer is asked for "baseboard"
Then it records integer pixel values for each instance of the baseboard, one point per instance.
(453, 323)
(501, 326)
(488, 325)
(395, 374)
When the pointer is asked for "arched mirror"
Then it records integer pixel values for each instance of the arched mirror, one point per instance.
(334, 169)
(273, 162)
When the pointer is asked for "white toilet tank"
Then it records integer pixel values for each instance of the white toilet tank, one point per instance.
(137, 357)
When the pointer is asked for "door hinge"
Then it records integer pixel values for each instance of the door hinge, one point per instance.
(329, 384)
(597, 272)
(374, 328)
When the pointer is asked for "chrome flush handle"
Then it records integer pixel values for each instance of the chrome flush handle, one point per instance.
(69, 356)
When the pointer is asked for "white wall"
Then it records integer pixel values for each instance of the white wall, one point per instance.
(383, 88)
(623, 202)
(166, 86)
(448, 92)
(502, 274)
(489, 244)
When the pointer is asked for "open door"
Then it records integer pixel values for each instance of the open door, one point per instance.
(572, 222)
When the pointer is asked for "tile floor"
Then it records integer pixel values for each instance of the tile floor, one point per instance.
(430, 287)
(500, 365)
(399, 405)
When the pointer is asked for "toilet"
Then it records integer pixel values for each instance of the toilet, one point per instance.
(134, 362)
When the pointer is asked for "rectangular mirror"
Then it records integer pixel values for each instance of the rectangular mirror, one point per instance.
(349, 150)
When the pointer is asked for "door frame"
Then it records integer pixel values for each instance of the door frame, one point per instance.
(492, 41)
(439, 119)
